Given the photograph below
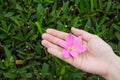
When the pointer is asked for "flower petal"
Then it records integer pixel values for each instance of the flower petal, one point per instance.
(74, 54)
(82, 48)
(62, 44)
(78, 41)
(66, 54)
(70, 39)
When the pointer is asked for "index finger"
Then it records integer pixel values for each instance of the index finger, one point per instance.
(56, 33)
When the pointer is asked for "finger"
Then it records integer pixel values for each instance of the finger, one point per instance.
(86, 36)
(51, 38)
(58, 54)
(56, 33)
(48, 44)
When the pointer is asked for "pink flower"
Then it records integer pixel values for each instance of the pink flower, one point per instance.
(72, 46)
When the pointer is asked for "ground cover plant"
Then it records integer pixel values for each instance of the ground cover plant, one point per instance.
(22, 22)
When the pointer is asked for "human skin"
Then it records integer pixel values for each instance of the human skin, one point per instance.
(98, 59)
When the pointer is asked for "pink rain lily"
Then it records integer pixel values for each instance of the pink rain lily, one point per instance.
(72, 46)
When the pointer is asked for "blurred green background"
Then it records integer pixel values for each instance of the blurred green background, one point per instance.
(22, 22)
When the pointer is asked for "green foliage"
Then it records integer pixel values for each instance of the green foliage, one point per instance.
(22, 22)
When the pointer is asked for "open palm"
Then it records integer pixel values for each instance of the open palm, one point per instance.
(94, 60)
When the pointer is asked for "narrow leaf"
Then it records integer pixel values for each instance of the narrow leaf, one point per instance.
(38, 24)
(7, 52)
(44, 70)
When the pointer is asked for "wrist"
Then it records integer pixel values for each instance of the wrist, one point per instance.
(113, 71)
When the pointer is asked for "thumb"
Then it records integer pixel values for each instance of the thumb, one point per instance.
(86, 36)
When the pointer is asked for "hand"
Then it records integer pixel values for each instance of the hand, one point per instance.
(97, 59)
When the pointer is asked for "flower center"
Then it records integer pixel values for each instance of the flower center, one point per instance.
(70, 49)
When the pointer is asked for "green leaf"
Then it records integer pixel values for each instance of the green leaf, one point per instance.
(4, 25)
(39, 26)
(81, 6)
(2, 29)
(1, 72)
(40, 11)
(65, 7)
(19, 36)
(44, 70)
(28, 75)
(24, 73)
(7, 52)
(88, 24)
(38, 48)
(54, 6)
(109, 3)
(1, 65)
(119, 46)
(101, 5)
(11, 74)
(14, 19)
(92, 5)
(74, 22)
(117, 6)
(77, 2)
(53, 13)
(104, 18)
(117, 35)
(9, 14)
(116, 27)
(95, 4)
(112, 45)
(19, 7)
(63, 70)
(31, 64)
(59, 25)
(34, 37)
